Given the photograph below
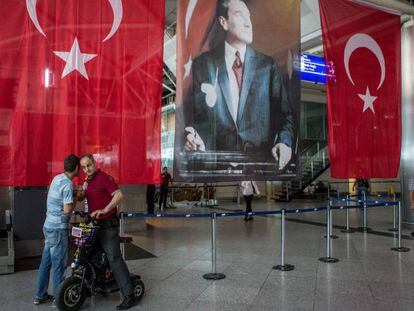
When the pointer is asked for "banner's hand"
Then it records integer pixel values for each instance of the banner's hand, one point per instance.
(194, 141)
(282, 153)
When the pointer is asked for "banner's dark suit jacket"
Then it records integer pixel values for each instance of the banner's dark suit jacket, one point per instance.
(264, 114)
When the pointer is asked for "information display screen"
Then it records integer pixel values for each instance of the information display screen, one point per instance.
(313, 68)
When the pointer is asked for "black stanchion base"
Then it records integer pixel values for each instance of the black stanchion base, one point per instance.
(393, 230)
(333, 236)
(328, 259)
(364, 229)
(348, 230)
(214, 276)
(400, 249)
(285, 267)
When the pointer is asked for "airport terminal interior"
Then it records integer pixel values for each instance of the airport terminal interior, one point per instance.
(208, 256)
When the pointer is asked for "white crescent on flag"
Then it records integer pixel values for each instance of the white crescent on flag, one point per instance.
(118, 12)
(361, 40)
(116, 6)
(31, 9)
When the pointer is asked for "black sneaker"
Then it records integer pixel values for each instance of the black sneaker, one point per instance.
(128, 302)
(46, 298)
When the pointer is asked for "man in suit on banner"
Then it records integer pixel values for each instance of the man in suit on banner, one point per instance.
(239, 102)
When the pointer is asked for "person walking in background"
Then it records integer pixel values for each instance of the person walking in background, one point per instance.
(165, 180)
(249, 189)
(150, 198)
(362, 186)
(60, 204)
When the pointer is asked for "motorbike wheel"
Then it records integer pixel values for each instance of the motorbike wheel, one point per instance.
(139, 288)
(71, 296)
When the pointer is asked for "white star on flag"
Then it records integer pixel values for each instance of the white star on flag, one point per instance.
(75, 60)
(368, 100)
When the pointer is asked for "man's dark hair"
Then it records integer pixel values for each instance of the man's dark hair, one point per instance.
(70, 163)
(165, 168)
(223, 8)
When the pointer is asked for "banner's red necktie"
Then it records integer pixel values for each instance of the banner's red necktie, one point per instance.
(238, 69)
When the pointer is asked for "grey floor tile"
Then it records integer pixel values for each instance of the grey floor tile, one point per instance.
(252, 268)
(389, 290)
(189, 276)
(151, 303)
(157, 273)
(396, 304)
(288, 283)
(339, 302)
(345, 270)
(327, 286)
(206, 265)
(216, 306)
(243, 280)
(174, 289)
(229, 294)
(281, 299)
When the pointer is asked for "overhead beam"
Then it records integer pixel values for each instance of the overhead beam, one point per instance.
(396, 5)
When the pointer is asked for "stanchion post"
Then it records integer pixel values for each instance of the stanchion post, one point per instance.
(365, 212)
(333, 236)
(283, 266)
(328, 258)
(122, 233)
(394, 214)
(348, 228)
(364, 227)
(213, 275)
(400, 248)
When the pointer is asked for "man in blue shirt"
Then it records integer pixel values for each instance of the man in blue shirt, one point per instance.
(60, 203)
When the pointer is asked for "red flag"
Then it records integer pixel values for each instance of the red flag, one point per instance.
(80, 77)
(195, 23)
(362, 43)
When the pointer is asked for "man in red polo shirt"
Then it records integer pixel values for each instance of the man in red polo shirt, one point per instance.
(103, 197)
(165, 180)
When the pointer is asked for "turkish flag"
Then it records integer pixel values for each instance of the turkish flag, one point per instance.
(195, 25)
(362, 50)
(80, 77)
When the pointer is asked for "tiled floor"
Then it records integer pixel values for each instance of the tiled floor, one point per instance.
(369, 276)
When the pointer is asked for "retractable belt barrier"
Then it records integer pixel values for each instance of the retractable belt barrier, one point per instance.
(364, 205)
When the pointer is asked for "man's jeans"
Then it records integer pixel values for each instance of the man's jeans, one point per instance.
(55, 257)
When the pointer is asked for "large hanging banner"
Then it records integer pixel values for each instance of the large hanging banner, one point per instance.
(238, 90)
(80, 77)
(363, 45)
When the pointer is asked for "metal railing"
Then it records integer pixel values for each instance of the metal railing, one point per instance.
(283, 266)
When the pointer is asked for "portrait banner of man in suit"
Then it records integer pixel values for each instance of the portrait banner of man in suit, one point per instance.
(238, 90)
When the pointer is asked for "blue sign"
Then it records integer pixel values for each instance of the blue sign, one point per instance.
(313, 68)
